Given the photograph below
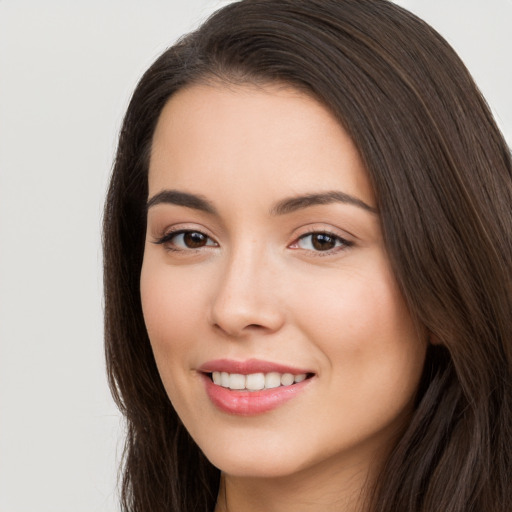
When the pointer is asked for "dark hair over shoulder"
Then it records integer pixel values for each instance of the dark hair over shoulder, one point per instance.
(442, 175)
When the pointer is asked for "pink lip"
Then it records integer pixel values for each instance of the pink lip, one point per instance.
(249, 403)
(249, 366)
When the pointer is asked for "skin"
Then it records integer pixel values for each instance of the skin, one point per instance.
(260, 289)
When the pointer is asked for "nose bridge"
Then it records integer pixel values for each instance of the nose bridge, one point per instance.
(245, 296)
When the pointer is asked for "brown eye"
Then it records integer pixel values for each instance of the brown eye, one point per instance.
(194, 239)
(322, 242)
(186, 239)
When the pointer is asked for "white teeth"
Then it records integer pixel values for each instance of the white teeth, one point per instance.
(236, 381)
(287, 379)
(272, 380)
(224, 379)
(256, 381)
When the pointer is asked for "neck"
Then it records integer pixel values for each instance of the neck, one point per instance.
(323, 488)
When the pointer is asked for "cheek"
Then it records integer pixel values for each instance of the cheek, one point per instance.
(371, 353)
(170, 306)
(361, 326)
(350, 301)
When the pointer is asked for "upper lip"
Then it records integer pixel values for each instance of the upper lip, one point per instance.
(249, 366)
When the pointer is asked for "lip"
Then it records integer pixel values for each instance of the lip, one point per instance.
(250, 403)
(249, 366)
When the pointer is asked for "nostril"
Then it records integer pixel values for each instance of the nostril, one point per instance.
(238, 330)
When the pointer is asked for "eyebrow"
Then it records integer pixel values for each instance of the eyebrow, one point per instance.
(293, 204)
(283, 207)
(195, 201)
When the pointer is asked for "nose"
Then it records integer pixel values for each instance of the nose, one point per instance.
(245, 299)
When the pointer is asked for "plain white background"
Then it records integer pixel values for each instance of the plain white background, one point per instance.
(66, 74)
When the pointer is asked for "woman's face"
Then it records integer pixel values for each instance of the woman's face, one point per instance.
(277, 326)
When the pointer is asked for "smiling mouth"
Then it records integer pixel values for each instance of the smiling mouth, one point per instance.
(256, 381)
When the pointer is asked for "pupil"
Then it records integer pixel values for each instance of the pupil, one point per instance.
(323, 242)
(194, 240)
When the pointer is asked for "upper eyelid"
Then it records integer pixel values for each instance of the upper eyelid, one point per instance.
(179, 228)
(310, 231)
(343, 241)
(321, 231)
(329, 233)
(303, 231)
(323, 228)
(168, 235)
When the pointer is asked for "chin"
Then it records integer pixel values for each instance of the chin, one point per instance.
(253, 462)
(271, 468)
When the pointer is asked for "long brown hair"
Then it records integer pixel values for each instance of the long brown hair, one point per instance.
(442, 175)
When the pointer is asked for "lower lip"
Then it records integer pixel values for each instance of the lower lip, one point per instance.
(250, 403)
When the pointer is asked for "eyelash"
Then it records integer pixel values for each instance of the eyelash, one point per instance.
(168, 237)
(341, 243)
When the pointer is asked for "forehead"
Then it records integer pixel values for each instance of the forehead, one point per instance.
(253, 138)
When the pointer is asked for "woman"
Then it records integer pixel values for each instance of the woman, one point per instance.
(307, 269)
